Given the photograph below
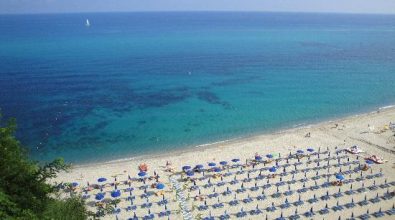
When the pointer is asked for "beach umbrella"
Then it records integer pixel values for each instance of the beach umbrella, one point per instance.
(160, 186)
(74, 184)
(269, 156)
(217, 169)
(116, 193)
(272, 169)
(310, 149)
(339, 176)
(369, 162)
(235, 160)
(299, 151)
(223, 163)
(99, 196)
(186, 167)
(212, 164)
(101, 179)
(141, 174)
(190, 173)
(199, 166)
(257, 157)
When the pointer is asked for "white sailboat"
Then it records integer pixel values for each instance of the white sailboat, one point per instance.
(87, 23)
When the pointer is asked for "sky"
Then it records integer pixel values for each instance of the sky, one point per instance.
(66, 6)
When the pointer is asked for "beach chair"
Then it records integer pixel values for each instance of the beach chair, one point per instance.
(281, 217)
(326, 196)
(271, 208)
(309, 214)
(248, 200)
(388, 195)
(209, 217)
(313, 200)
(391, 211)
(289, 191)
(241, 214)
(299, 202)
(224, 216)
(202, 207)
(337, 207)
(365, 216)
(325, 210)
(233, 203)
(262, 196)
(375, 199)
(338, 194)
(295, 216)
(285, 205)
(378, 214)
(363, 202)
(218, 205)
(256, 211)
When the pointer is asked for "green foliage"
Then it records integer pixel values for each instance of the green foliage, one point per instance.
(68, 209)
(24, 189)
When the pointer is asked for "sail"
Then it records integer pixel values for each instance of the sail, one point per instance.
(87, 23)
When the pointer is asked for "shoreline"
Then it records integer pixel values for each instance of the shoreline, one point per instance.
(241, 139)
(369, 131)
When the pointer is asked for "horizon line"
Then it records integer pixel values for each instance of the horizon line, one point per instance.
(196, 11)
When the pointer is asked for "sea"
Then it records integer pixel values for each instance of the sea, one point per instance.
(142, 83)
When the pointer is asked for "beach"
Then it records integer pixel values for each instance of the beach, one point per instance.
(205, 114)
(370, 132)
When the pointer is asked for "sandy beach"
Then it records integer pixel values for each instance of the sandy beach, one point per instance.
(368, 131)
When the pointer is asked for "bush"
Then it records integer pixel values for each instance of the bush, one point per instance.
(24, 189)
(67, 209)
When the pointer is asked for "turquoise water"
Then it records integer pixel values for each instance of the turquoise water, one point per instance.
(137, 83)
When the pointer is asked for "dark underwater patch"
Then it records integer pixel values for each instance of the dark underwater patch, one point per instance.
(212, 98)
(141, 122)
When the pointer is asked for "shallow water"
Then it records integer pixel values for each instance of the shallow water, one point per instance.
(136, 83)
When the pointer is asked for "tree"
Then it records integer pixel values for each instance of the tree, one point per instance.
(24, 189)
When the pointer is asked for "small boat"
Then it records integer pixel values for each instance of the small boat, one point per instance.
(87, 23)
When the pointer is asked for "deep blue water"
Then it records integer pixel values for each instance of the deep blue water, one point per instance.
(136, 83)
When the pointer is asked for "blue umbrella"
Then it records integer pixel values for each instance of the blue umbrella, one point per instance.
(310, 149)
(269, 156)
(257, 157)
(212, 164)
(199, 166)
(235, 160)
(217, 169)
(300, 152)
(339, 176)
(273, 169)
(101, 179)
(74, 184)
(160, 186)
(142, 174)
(186, 167)
(369, 162)
(116, 193)
(99, 196)
(223, 163)
(190, 173)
